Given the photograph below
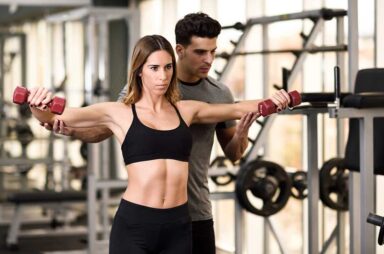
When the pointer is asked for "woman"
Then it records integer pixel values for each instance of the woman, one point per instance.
(152, 127)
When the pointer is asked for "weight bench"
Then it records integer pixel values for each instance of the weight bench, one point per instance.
(364, 151)
(21, 199)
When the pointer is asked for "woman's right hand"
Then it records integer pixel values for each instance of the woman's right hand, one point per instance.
(39, 97)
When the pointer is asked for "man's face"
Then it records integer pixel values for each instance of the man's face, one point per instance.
(197, 57)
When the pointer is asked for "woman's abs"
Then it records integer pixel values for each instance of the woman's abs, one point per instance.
(158, 183)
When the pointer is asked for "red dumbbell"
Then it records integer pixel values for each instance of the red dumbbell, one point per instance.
(56, 105)
(267, 107)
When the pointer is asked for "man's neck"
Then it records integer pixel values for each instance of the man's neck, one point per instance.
(183, 75)
(190, 83)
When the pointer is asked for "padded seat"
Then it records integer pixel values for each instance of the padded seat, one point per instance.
(321, 97)
(369, 93)
(364, 100)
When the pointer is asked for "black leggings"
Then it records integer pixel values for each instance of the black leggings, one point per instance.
(203, 237)
(140, 229)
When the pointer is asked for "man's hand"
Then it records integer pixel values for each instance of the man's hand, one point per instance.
(234, 140)
(58, 127)
(245, 123)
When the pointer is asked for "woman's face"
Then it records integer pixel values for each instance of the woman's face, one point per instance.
(157, 72)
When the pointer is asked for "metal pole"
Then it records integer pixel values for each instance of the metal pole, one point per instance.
(2, 127)
(340, 126)
(313, 14)
(265, 44)
(368, 239)
(91, 167)
(313, 184)
(239, 228)
(104, 154)
(354, 182)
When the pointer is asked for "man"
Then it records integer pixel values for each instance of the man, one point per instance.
(196, 36)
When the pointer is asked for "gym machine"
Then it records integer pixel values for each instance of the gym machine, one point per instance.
(318, 17)
(365, 109)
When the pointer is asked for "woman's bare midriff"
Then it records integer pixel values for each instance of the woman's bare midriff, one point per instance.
(160, 183)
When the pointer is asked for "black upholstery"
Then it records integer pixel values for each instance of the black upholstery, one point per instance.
(369, 93)
(46, 197)
(320, 97)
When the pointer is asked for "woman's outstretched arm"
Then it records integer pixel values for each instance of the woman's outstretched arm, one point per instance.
(96, 114)
(201, 112)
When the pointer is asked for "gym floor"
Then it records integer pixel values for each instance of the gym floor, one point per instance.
(49, 245)
(43, 245)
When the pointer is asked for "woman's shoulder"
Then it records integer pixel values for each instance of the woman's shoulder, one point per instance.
(187, 103)
(114, 107)
(115, 104)
(189, 107)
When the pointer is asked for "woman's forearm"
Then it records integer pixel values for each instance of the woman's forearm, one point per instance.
(214, 113)
(43, 116)
(243, 107)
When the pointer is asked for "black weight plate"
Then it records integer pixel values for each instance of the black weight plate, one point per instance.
(334, 184)
(221, 161)
(262, 187)
(299, 189)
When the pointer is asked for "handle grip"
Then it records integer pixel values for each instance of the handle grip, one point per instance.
(267, 107)
(56, 105)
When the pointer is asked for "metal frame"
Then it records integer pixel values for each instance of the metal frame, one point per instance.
(318, 17)
(313, 172)
(14, 232)
(362, 191)
(353, 66)
(22, 50)
(46, 2)
(359, 207)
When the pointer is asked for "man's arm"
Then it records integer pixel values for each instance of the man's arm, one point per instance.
(88, 135)
(234, 140)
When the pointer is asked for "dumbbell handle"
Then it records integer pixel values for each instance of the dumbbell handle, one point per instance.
(378, 221)
(375, 219)
(56, 105)
(267, 107)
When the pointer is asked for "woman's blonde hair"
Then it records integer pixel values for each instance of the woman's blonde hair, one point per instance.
(143, 49)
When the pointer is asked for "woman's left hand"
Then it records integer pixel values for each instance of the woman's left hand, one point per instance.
(281, 99)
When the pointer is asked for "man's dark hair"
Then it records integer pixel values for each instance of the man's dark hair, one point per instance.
(196, 24)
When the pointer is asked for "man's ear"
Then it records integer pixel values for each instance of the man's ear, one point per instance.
(180, 50)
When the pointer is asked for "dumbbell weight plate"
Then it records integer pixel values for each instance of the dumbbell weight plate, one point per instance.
(24, 133)
(84, 151)
(262, 187)
(222, 162)
(334, 184)
(299, 188)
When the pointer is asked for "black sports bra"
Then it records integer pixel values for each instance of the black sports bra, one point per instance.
(143, 143)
